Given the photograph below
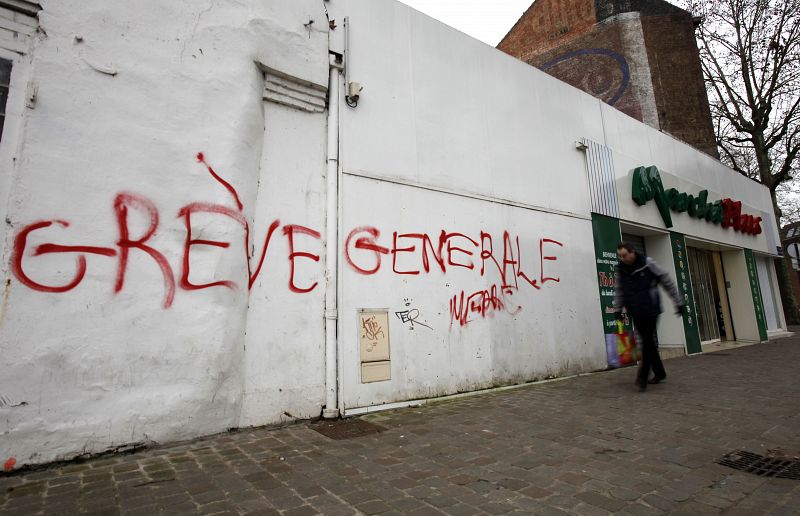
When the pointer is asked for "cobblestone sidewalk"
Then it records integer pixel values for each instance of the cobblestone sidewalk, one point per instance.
(587, 445)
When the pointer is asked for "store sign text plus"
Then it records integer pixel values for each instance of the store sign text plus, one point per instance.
(647, 186)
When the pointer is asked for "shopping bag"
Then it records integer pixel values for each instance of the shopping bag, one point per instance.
(621, 349)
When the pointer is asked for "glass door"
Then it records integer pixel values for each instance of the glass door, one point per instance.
(723, 304)
(768, 292)
(706, 293)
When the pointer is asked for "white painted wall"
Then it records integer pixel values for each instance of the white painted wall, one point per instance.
(451, 135)
(442, 109)
(128, 94)
(284, 359)
(534, 333)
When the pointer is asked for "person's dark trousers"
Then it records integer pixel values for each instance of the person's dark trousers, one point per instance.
(646, 326)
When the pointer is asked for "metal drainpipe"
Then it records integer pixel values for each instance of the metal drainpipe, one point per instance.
(331, 409)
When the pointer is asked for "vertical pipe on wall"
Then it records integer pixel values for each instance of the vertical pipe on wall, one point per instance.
(331, 409)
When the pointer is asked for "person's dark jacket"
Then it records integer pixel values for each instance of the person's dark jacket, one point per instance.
(637, 288)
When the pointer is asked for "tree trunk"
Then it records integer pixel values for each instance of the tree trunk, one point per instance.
(783, 268)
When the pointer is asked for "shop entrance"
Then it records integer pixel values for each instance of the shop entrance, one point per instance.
(638, 244)
(710, 295)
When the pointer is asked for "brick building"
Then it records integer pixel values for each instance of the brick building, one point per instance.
(639, 56)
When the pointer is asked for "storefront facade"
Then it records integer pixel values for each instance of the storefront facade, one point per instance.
(207, 230)
(718, 248)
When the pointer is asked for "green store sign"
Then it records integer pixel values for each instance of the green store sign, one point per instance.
(755, 288)
(647, 186)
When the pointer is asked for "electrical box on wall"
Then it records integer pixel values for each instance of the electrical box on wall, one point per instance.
(376, 372)
(373, 330)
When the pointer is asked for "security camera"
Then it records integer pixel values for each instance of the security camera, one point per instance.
(353, 91)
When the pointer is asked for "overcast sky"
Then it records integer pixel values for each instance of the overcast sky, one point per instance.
(486, 20)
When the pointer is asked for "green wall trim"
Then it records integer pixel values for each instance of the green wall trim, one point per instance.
(755, 288)
(607, 236)
(684, 282)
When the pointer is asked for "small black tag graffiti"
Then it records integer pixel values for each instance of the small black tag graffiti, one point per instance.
(410, 316)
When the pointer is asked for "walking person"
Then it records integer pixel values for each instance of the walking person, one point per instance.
(638, 277)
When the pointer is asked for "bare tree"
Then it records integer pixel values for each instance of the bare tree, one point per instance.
(789, 201)
(750, 52)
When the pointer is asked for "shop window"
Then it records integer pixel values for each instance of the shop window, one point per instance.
(5, 79)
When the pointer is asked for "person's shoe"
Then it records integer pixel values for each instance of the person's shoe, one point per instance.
(641, 384)
(656, 380)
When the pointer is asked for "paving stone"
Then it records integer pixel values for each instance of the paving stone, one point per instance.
(254, 505)
(587, 445)
(536, 492)
(62, 480)
(374, 507)
(784, 511)
(303, 510)
(573, 478)
(496, 508)
(220, 507)
(407, 504)
(601, 501)
(207, 497)
(426, 510)
(513, 484)
(308, 490)
(562, 502)
(692, 507)
(638, 509)
(462, 509)
(339, 511)
(584, 509)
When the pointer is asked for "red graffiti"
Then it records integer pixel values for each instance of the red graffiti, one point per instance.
(452, 250)
(239, 217)
(289, 231)
(483, 303)
(544, 258)
(397, 250)
(186, 212)
(366, 243)
(252, 276)
(21, 241)
(10, 463)
(201, 158)
(121, 204)
(411, 253)
(126, 202)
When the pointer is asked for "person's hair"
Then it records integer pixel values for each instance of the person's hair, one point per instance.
(625, 245)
